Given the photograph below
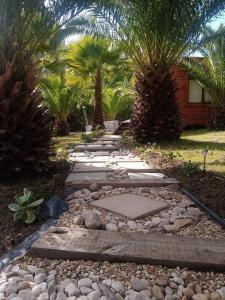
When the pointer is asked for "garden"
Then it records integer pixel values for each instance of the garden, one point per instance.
(97, 140)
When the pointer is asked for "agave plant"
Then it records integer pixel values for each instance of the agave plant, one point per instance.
(155, 34)
(25, 208)
(210, 71)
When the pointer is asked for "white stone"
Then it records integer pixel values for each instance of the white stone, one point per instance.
(111, 227)
(95, 295)
(11, 288)
(139, 284)
(71, 290)
(40, 278)
(200, 297)
(61, 296)
(85, 282)
(43, 296)
(131, 224)
(156, 221)
(36, 291)
(222, 292)
(117, 286)
(93, 220)
(85, 290)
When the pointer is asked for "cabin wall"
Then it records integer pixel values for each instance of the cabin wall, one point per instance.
(191, 113)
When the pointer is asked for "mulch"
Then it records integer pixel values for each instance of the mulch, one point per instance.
(207, 186)
(42, 186)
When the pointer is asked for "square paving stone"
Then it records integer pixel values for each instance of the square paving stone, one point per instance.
(134, 165)
(130, 205)
(89, 166)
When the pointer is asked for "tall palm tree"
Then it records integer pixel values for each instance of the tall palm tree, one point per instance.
(154, 34)
(210, 71)
(27, 29)
(91, 59)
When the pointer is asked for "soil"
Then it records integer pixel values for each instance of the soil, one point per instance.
(208, 187)
(42, 186)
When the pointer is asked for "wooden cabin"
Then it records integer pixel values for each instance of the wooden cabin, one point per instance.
(194, 101)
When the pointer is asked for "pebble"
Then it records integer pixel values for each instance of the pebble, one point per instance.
(117, 286)
(139, 284)
(200, 297)
(85, 282)
(157, 292)
(111, 227)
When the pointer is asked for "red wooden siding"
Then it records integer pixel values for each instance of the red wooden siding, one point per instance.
(191, 113)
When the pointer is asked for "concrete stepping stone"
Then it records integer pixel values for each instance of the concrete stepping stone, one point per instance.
(130, 205)
(92, 147)
(94, 159)
(89, 154)
(143, 176)
(110, 137)
(113, 165)
(84, 180)
(160, 249)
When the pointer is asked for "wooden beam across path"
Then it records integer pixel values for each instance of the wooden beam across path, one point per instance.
(159, 249)
(161, 182)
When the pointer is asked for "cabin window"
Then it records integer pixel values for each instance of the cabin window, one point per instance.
(197, 93)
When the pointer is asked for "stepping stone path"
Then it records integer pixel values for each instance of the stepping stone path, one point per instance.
(111, 167)
(99, 225)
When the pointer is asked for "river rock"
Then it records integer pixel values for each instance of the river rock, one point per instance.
(93, 220)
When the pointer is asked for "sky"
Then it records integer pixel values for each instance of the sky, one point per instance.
(214, 23)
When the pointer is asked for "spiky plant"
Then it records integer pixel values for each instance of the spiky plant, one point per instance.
(154, 34)
(26, 30)
(210, 71)
(91, 59)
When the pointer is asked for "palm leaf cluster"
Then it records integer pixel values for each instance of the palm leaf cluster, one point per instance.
(60, 99)
(210, 71)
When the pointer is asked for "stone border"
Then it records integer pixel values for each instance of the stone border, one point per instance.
(22, 248)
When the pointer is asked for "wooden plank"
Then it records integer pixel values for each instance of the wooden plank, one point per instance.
(123, 183)
(171, 251)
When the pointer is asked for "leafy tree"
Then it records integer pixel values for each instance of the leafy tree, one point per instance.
(210, 71)
(91, 59)
(154, 35)
(27, 29)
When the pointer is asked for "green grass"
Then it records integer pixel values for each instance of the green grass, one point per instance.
(192, 142)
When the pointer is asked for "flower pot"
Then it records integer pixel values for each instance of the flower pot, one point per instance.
(111, 126)
(88, 128)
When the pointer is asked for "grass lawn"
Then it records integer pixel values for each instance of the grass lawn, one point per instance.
(192, 142)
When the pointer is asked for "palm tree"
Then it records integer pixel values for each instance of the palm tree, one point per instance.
(118, 102)
(60, 99)
(27, 29)
(210, 71)
(155, 34)
(91, 59)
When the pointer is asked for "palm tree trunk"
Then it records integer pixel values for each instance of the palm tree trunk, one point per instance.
(98, 120)
(156, 115)
(62, 128)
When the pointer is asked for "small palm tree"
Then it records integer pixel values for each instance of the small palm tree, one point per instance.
(155, 34)
(118, 103)
(91, 59)
(60, 99)
(210, 71)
